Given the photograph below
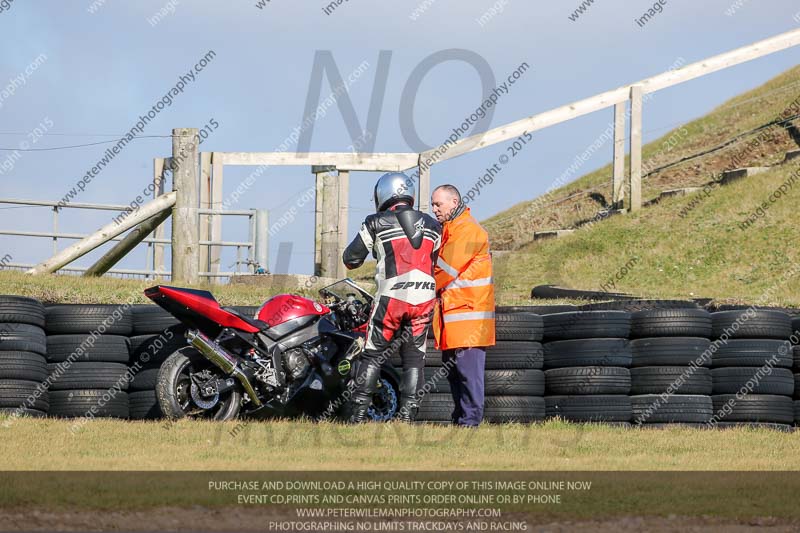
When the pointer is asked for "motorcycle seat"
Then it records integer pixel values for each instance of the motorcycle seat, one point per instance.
(260, 324)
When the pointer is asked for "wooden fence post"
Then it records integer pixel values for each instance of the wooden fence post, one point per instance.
(329, 247)
(131, 240)
(205, 203)
(322, 178)
(185, 219)
(318, 177)
(215, 221)
(160, 167)
(261, 238)
(618, 182)
(636, 148)
(342, 222)
(423, 202)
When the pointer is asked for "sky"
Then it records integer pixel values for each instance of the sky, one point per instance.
(86, 70)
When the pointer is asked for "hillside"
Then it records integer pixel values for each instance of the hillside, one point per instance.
(672, 250)
(571, 203)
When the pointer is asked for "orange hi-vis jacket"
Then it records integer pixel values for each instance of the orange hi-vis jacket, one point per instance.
(464, 315)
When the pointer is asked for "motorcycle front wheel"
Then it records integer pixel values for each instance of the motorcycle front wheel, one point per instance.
(384, 401)
(176, 397)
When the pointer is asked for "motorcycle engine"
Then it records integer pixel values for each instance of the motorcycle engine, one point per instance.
(296, 364)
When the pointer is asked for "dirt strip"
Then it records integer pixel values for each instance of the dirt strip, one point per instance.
(250, 519)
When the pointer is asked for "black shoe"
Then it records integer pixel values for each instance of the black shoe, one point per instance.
(366, 381)
(408, 405)
(358, 412)
(407, 411)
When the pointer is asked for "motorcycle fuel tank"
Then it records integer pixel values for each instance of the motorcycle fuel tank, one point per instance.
(285, 307)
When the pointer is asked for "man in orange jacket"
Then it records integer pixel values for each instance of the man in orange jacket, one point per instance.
(463, 322)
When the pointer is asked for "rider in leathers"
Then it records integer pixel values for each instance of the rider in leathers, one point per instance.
(405, 243)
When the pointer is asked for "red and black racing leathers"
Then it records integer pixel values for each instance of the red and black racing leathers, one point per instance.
(405, 243)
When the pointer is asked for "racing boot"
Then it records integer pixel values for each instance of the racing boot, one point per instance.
(366, 382)
(409, 404)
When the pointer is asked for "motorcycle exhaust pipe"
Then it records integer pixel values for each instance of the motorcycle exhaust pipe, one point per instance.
(224, 360)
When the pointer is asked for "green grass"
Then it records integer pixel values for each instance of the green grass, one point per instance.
(658, 253)
(55, 288)
(297, 445)
(266, 451)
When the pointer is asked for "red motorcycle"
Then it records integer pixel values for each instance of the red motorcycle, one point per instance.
(295, 357)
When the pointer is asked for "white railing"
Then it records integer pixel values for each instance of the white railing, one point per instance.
(151, 270)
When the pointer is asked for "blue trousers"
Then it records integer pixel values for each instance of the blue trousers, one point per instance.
(466, 383)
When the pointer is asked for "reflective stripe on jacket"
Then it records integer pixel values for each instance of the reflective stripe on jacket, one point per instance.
(464, 316)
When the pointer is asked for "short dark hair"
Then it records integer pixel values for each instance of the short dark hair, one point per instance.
(451, 189)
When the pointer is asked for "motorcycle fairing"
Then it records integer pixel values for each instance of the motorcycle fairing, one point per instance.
(197, 308)
(287, 307)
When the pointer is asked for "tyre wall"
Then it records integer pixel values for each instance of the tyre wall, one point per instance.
(640, 362)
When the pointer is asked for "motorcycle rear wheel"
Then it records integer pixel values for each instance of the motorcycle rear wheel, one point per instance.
(173, 389)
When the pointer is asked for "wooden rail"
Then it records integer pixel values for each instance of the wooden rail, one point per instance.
(331, 210)
(628, 93)
(198, 177)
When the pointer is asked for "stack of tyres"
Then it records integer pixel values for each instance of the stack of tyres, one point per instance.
(535, 309)
(586, 357)
(87, 354)
(23, 369)
(156, 336)
(752, 376)
(513, 379)
(795, 339)
(670, 379)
